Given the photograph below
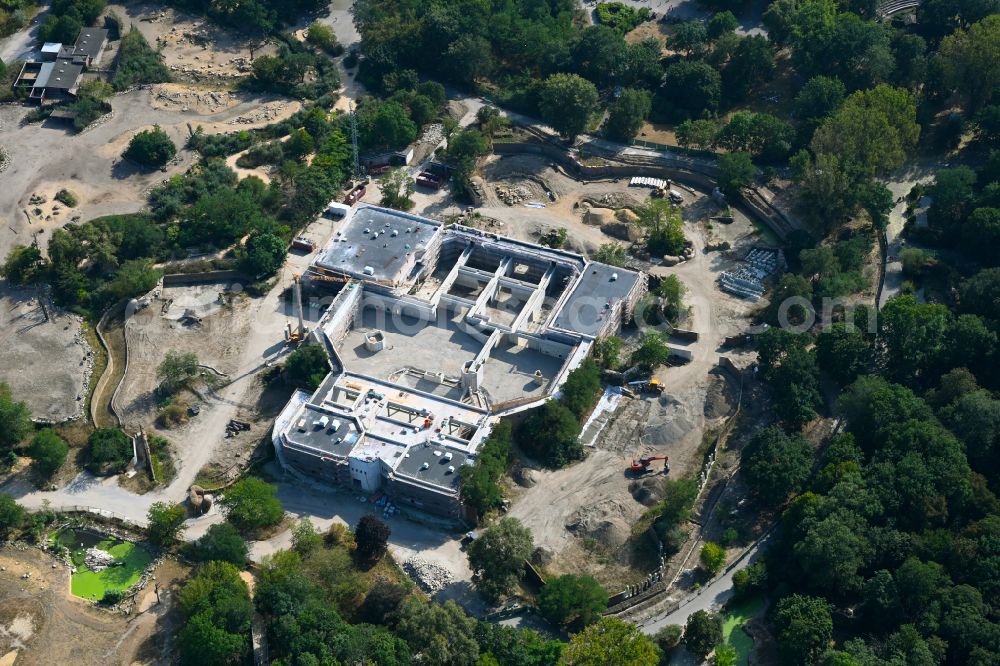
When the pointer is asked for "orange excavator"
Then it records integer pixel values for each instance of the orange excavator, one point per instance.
(642, 465)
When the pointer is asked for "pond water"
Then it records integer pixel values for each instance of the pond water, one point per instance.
(735, 616)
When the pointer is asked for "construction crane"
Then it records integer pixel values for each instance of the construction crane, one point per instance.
(642, 465)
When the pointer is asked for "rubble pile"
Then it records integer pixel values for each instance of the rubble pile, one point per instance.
(431, 577)
(97, 559)
(265, 113)
(512, 195)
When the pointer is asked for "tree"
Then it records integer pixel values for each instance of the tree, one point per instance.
(307, 366)
(138, 62)
(151, 148)
(820, 97)
(699, 133)
(497, 557)
(323, 37)
(221, 543)
(721, 23)
(15, 419)
(572, 601)
(110, 450)
(736, 171)
(952, 197)
(702, 632)
(166, 522)
(689, 37)
(751, 63)
(217, 608)
(440, 633)
(873, 130)
(177, 370)
(250, 504)
(263, 255)
(775, 464)
(470, 57)
(49, 451)
(382, 604)
(725, 655)
(970, 61)
(24, 265)
(551, 434)
(652, 351)
(134, 278)
(695, 87)
(607, 351)
(305, 538)
(372, 538)
(759, 134)
(671, 292)
(915, 336)
(396, 187)
(982, 232)
(713, 556)
(610, 641)
(628, 113)
(664, 223)
(567, 102)
(579, 392)
(669, 637)
(11, 514)
(843, 352)
(803, 626)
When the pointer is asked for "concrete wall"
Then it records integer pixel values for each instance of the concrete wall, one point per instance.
(344, 309)
(409, 493)
(182, 279)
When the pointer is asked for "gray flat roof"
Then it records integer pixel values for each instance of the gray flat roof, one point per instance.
(367, 240)
(311, 435)
(91, 42)
(586, 308)
(437, 467)
(58, 75)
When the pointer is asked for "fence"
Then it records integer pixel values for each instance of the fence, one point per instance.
(180, 279)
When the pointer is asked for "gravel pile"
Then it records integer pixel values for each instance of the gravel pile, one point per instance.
(431, 577)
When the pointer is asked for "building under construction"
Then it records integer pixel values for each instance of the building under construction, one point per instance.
(433, 333)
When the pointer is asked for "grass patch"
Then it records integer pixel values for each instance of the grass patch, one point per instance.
(94, 585)
(100, 364)
(735, 616)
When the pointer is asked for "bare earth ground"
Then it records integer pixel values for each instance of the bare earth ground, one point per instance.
(46, 364)
(584, 513)
(45, 624)
(192, 47)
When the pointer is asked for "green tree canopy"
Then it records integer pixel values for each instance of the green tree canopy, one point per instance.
(804, 627)
(166, 522)
(49, 451)
(223, 543)
(151, 148)
(572, 601)
(775, 464)
(250, 504)
(567, 102)
(15, 419)
(497, 557)
(610, 641)
(702, 632)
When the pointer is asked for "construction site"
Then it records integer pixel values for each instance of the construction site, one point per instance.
(433, 333)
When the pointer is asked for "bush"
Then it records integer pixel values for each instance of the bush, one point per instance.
(138, 63)
(221, 543)
(713, 556)
(66, 197)
(151, 148)
(112, 597)
(620, 16)
(572, 602)
(166, 522)
(11, 514)
(581, 388)
(551, 435)
(110, 450)
(323, 37)
(480, 481)
(250, 504)
(307, 366)
(48, 451)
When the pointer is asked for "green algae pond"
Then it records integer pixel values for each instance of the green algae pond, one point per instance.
(734, 617)
(130, 560)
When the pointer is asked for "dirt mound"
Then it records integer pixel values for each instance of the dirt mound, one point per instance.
(721, 398)
(604, 522)
(647, 491)
(526, 477)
